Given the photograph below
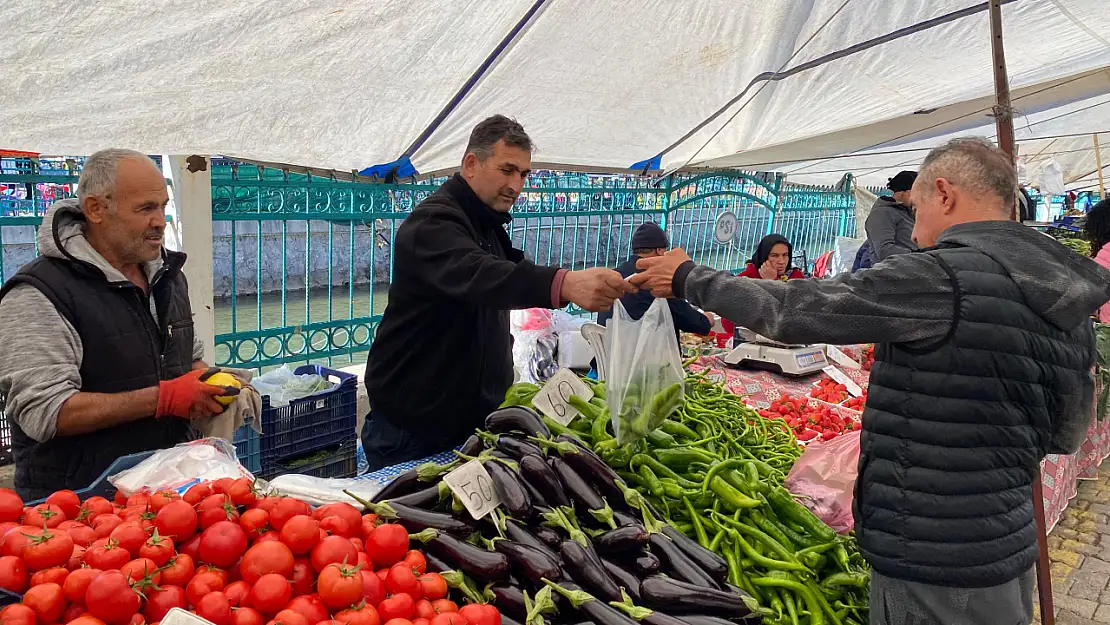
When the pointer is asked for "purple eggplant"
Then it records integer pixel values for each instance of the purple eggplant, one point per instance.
(709, 562)
(533, 563)
(517, 447)
(599, 611)
(509, 600)
(548, 536)
(586, 568)
(516, 532)
(625, 579)
(622, 539)
(517, 419)
(512, 493)
(417, 519)
(677, 564)
(679, 597)
(601, 475)
(580, 491)
(465, 557)
(534, 471)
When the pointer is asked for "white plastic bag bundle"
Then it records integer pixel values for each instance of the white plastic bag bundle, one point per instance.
(318, 491)
(179, 467)
(645, 378)
(283, 386)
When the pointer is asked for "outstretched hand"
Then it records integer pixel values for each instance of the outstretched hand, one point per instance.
(657, 273)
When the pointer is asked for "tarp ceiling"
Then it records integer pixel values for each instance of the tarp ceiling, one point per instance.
(599, 83)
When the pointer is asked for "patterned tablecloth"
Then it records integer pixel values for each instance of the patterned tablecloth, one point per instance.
(1060, 474)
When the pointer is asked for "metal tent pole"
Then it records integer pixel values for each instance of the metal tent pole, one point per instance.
(1098, 166)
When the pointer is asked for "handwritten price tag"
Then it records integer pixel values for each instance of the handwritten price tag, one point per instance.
(840, 357)
(553, 397)
(473, 486)
(842, 378)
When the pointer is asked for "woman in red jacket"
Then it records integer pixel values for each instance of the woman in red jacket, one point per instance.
(771, 261)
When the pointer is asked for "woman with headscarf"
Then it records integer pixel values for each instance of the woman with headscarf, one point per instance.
(771, 261)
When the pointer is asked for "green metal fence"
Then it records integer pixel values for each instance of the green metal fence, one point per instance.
(302, 263)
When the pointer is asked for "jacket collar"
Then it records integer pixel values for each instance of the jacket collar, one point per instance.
(482, 216)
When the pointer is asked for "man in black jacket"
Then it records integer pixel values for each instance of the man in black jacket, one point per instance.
(650, 241)
(982, 366)
(890, 223)
(441, 360)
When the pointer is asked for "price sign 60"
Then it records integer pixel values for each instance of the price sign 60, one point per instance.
(553, 398)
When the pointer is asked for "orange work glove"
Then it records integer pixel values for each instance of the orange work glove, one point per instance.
(189, 395)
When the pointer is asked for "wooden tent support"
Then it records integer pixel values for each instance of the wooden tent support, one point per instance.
(1098, 166)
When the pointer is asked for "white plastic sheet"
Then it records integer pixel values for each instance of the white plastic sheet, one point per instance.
(601, 83)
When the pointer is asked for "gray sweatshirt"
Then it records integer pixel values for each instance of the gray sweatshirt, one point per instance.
(889, 229)
(41, 357)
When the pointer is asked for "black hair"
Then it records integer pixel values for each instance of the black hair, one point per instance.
(1097, 227)
(493, 129)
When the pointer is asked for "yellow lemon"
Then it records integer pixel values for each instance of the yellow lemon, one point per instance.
(224, 379)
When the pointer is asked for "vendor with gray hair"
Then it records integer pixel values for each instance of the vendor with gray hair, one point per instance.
(983, 363)
(100, 359)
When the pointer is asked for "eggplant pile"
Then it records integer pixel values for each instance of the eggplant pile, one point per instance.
(570, 542)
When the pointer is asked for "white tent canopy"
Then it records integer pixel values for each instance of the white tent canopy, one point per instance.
(599, 83)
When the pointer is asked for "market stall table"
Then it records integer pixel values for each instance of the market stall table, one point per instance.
(1060, 473)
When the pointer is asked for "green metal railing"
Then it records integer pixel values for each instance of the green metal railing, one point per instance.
(303, 262)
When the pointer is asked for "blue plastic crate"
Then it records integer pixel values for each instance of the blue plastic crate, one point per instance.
(339, 463)
(320, 421)
(248, 448)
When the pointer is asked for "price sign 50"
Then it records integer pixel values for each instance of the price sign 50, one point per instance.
(473, 486)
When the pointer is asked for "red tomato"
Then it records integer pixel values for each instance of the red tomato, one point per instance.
(17, 614)
(225, 577)
(105, 524)
(445, 605)
(157, 548)
(161, 498)
(382, 574)
(161, 601)
(215, 608)
(310, 607)
(13, 574)
(303, 577)
(16, 539)
(106, 554)
(190, 547)
(221, 485)
(82, 534)
(480, 614)
(237, 593)
(339, 586)
(77, 558)
(223, 544)
(364, 561)
(387, 544)
(432, 586)
(142, 571)
(288, 617)
(402, 579)
(424, 610)
(177, 520)
(421, 621)
(373, 588)
(267, 503)
(178, 570)
(399, 621)
(74, 612)
(11, 505)
(54, 575)
(270, 594)
(138, 500)
(397, 607)
(197, 493)
(111, 599)
(342, 510)
(286, 509)
(214, 509)
(448, 618)
(130, 536)
(255, 522)
(77, 582)
(246, 616)
(264, 558)
(67, 501)
(366, 615)
(47, 600)
(415, 559)
(47, 548)
(202, 584)
(269, 536)
(242, 493)
(333, 550)
(99, 505)
(300, 533)
(335, 526)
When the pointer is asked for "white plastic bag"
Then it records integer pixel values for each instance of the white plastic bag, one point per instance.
(179, 467)
(645, 379)
(283, 386)
(318, 491)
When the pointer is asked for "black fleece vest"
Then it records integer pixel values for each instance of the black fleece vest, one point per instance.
(953, 434)
(123, 350)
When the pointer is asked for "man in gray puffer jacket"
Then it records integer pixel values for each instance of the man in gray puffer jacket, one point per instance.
(890, 223)
(983, 364)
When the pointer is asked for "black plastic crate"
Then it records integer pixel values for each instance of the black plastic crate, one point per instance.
(320, 421)
(339, 461)
(102, 487)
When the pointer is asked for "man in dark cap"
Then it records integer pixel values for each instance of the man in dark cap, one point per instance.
(650, 241)
(890, 224)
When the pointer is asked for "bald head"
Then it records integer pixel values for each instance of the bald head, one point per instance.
(962, 181)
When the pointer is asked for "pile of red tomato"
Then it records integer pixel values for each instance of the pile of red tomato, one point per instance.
(224, 552)
(809, 422)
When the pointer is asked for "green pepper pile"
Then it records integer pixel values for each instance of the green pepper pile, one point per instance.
(715, 471)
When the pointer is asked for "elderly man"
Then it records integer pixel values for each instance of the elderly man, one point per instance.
(99, 357)
(441, 359)
(983, 365)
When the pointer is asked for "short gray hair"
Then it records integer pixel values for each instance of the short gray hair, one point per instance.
(98, 175)
(976, 164)
(493, 129)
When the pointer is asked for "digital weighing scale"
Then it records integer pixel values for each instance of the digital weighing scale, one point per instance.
(762, 353)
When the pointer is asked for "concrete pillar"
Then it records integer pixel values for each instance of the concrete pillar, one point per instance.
(191, 177)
